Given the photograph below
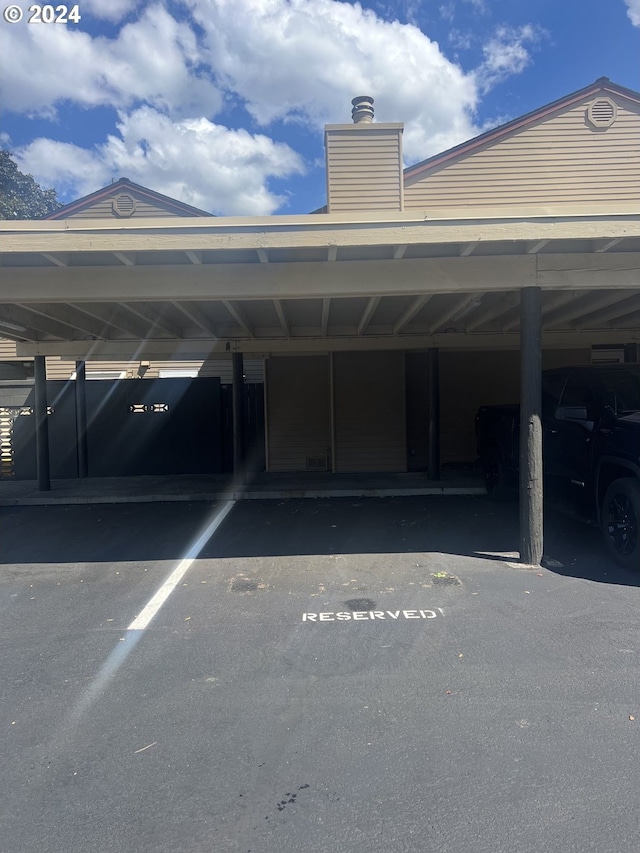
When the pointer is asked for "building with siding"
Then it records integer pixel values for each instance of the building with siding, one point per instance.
(398, 300)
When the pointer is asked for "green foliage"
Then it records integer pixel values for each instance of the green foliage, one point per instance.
(20, 196)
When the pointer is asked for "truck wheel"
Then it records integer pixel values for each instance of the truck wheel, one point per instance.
(496, 477)
(621, 522)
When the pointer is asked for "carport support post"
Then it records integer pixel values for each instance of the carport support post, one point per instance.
(531, 505)
(237, 365)
(434, 413)
(42, 427)
(81, 418)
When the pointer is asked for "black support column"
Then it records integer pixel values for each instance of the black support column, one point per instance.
(434, 413)
(42, 427)
(81, 418)
(237, 363)
(531, 492)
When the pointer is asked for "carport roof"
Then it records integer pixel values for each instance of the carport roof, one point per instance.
(201, 284)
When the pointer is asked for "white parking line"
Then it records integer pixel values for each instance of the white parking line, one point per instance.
(154, 604)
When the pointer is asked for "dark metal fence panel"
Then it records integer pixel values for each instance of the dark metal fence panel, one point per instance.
(134, 427)
(156, 426)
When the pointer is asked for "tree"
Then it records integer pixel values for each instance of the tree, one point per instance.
(20, 196)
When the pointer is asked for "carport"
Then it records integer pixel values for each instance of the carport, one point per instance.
(327, 285)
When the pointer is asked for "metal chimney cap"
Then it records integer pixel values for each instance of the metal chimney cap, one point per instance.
(362, 112)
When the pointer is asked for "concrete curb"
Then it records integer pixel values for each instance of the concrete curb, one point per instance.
(270, 494)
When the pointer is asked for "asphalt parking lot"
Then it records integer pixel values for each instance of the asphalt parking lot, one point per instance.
(351, 675)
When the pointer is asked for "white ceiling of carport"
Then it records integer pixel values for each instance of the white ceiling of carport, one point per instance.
(363, 285)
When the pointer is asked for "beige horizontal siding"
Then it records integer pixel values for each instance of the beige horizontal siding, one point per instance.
(560, 160)
(298, 412)
(7, 349)
(364, 168)
(59, 368)
(103, 209)
(469, 380)
(369, 402)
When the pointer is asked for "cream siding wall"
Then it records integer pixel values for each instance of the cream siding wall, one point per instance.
(364, 168)
(561, 160)
(369, 403)
(469, 380)
(298, 412)
(103, 209)
(61, 368)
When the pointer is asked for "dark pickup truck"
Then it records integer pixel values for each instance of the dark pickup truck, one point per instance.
(591, 449)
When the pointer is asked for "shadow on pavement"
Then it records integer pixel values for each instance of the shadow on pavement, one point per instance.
(464, 526)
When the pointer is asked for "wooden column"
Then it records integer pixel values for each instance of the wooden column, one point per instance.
(237, 363)
(81, 418)
(42, 427)
(434, 413)
(531, 496)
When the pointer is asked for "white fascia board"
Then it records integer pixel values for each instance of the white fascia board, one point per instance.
(317, 234)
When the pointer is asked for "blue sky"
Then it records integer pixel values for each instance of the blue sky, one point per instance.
(221, 103)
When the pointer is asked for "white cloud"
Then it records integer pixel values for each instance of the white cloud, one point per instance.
(194, 160)
(633, 11)
(154, 59)
(506, 54)
(108, 10)
(305, 59)
(282, 60)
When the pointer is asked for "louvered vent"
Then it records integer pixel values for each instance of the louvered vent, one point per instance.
(602, 112)
(124, 204)
(317, 463)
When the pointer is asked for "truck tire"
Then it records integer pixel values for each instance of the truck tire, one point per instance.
(496, 477)
(620, 517)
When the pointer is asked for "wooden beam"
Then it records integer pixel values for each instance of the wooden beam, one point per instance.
(125, 260)
(80, 392)
(299, 280)
(531, 497)
(389, 229)
(54, 259)
(69, 316)
(282, 317)
(22, 316)
(407, 316)
(263, 256)
(534, 246)
(153, 316)
(468, 248)
(398, 252)
(194, 257)
(606, 315)
(332, 253)
(42, 424)
(433, 367)
(201, 348)
(197, 316)
(238, 315)
(458, 307)
(605, 245)
(493, 311)
(368, 313)
(115, 317)
(551, 302)
(584, 307)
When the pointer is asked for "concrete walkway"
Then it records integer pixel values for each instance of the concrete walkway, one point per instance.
(263, 486)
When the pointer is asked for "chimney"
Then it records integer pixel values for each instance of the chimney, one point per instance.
(364, 162)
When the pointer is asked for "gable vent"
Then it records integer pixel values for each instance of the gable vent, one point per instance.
(124, 204)
(602, 112)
